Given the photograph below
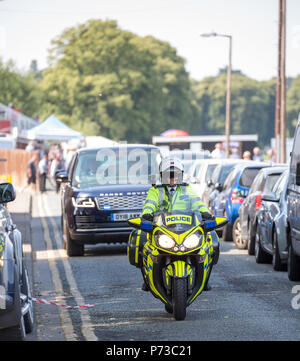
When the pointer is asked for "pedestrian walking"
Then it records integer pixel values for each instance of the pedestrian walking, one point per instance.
(247, 155)
(31, 173)
(57, 165)
(256, 154)
(218, 152)
(43, 171)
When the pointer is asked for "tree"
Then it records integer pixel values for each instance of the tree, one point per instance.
(252, 105)
(103, 80)
(293, 106)
(20, 90)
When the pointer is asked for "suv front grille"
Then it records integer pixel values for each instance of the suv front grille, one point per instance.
(120, 203)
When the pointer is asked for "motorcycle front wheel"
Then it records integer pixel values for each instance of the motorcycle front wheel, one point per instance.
(179, 298)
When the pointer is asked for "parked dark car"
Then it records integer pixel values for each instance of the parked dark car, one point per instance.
(16, 310)
(235, 190)
(271, 233)
(215, 184)
(293, 209)
(245, 226)
(102, 189)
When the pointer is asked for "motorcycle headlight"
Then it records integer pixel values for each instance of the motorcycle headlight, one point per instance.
(192, 241)
(165, 241)
(83, 202)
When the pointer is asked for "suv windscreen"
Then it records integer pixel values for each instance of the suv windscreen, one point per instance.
(115, 166)
(248, 176)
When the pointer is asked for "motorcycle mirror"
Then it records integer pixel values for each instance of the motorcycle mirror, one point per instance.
(138, 223)
(221, 221)
(210, 225)
(135, 222)
(214, 224)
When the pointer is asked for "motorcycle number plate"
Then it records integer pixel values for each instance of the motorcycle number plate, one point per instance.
(119, 217)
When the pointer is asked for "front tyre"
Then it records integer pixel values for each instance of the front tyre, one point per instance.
(260, 255)
(293, 265)
(29, 316)
(237, 235)
(73, 249)
(276, 261)
(179, 298)
(227, 232)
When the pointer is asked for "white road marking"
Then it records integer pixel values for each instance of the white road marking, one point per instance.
(51, 254)
(87, 325)
(66, 321)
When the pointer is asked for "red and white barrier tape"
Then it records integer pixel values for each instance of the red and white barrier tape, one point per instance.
(45, 302)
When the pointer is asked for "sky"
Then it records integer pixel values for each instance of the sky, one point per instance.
(28, 26)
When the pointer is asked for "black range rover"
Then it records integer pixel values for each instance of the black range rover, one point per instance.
(101, 190)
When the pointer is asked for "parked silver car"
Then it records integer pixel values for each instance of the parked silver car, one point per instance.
(271, 236)
(247, 221)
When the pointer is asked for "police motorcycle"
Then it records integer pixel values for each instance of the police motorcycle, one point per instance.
(176, 253)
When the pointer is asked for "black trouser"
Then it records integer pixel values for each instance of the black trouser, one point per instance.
(43, 178)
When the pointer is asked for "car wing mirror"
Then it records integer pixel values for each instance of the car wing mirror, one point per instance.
(209, 183)
(270, 197)
(61, 177)
(219, 187)
(7, 193)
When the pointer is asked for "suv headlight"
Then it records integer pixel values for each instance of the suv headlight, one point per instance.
(192, 241)
(83, 202)
(165, 241)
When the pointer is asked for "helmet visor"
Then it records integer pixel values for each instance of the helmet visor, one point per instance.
(174, 174)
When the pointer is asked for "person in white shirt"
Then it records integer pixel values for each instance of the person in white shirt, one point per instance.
(218, 153)
(43, 171)
(56, 165)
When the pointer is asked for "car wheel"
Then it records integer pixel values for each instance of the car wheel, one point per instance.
(293, 265)
(227, 233)
(73, 249)
(276, 261)
(17, 332)
(237, 235)
(260, 255)
(64, 232)
(29, 316)
(251, 239)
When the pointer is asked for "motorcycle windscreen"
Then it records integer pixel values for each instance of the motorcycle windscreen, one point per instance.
(178, 221)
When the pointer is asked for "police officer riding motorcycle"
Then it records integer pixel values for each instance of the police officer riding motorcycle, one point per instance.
(175, 245)
(173, 194)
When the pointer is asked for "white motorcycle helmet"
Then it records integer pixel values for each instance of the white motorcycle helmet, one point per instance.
(171, 167)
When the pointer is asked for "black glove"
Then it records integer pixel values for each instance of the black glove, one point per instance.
(206, 216)
(148, 217)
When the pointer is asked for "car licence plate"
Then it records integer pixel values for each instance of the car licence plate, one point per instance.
(119, 217)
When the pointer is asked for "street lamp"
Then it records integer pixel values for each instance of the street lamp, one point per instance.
(228, 97)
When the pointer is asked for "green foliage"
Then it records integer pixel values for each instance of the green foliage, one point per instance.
(252, 105)
(293, 106)
(18, 89)
(103, 80)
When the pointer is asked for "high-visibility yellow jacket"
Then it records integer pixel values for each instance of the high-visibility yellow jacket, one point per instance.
(184, 198)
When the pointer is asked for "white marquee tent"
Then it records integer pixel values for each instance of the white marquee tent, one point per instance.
(52, 129)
